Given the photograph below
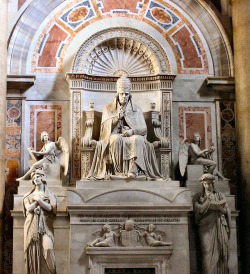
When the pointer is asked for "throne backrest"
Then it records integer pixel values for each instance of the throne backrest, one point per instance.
(93, 119)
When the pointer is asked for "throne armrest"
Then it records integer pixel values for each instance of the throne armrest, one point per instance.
(92, 128)
(86, 139)
(154, 129)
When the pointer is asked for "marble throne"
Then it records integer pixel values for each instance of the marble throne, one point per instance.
(92, 92)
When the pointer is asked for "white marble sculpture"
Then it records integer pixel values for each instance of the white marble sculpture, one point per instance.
(105, 237)
(123, 149)
(213, 217)
(192, 154)
(51, 153)
(40, 207)
(128, 234)
(154, 237)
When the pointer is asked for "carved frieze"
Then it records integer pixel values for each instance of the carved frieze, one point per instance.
(129, 234)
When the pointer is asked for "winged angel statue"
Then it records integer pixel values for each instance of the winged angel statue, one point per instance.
(51, 153)
(192, 154)
(105, 237)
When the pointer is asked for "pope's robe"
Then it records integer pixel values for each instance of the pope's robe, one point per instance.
(38, 258)
(116, 154)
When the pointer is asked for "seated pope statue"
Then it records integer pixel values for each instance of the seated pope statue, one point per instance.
(123, 149)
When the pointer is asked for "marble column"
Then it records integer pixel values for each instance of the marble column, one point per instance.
(241, 34)
(3, 87)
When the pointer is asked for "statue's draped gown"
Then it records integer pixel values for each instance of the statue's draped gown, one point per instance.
(214, 229)
(37, 260)
(116, 154)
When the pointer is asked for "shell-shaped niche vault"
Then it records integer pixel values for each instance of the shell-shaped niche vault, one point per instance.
(119, 56)
(117, 52)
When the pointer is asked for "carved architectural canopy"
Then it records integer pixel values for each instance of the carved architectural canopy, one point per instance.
(117, 52)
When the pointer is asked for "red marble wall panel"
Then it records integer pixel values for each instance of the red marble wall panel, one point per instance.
(12, 167)
(109, 5)
(195, 122)
(191, 58)
(45, 121)
(13, 137)
(44, 118)
(20, 3)
(196, 119)
(48, 56)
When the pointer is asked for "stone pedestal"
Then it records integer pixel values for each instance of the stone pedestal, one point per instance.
(194, 172)
(95, 203)
(221, 185)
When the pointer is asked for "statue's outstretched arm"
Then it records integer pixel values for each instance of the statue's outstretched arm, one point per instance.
(197, 152)
(47, 150)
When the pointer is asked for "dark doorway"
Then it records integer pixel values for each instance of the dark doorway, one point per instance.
(129, 271)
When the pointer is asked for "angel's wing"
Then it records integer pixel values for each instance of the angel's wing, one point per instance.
(183, 156)
(98, 233)
(64, 156)
(141, 229)
(142, 232)
(117, 229)
(161, 233)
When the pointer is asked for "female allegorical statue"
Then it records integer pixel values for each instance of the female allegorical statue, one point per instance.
(40, 207)
(213, 217)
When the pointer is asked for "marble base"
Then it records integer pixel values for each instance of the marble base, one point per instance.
(129, 257)
(91, 204)
(95, 203)
(194, 172)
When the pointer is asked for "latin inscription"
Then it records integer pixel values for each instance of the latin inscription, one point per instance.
(175, 218)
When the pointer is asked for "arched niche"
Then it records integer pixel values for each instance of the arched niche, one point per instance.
(97, 65)
(119, 51)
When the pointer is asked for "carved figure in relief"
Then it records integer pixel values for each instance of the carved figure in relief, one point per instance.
(40, 207)
(122, 149)
(213, 217)
(152, 239)
(51, 152)
(106, 237)
(195, 156)
(130, 235)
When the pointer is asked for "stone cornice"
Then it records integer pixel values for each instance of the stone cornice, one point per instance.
(20, 82)
(82, 76)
